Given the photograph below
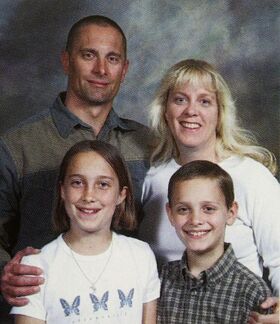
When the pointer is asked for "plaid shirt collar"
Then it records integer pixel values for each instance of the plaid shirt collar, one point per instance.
(212, 275)
(65, 121)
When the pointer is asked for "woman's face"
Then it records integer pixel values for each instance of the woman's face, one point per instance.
(192, 117)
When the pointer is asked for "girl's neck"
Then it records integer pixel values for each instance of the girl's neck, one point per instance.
(88, 244)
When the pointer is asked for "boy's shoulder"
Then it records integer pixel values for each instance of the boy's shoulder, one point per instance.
(249, 278)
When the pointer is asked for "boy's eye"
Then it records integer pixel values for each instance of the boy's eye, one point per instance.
(209, 209)
(182, 210)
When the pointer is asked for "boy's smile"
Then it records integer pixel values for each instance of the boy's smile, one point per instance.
(199, 215)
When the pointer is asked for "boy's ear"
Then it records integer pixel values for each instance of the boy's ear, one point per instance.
(232, 213)
(169, 213)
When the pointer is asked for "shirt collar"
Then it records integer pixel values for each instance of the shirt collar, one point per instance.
(65, 120)
(214, 274)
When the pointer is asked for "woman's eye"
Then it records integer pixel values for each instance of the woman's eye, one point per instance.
(180, 100)
(205, 102)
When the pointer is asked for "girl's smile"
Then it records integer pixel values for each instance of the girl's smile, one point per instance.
(91, 193)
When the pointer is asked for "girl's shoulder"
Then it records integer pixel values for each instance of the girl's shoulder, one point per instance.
(45, 256)
(126, 243)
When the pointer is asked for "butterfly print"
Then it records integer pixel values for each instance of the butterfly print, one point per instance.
(68, 309)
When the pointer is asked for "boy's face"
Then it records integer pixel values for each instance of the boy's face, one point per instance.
(199, 215)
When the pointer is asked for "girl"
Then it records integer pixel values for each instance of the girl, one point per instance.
(92, 274)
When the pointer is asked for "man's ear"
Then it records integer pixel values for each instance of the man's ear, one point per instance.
(169, 213)
(64, 59)
(232, 213)
(125, 69)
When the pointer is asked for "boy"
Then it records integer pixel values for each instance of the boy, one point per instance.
(208, 285)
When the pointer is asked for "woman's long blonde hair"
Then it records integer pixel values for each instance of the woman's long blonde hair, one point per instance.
(231, 139)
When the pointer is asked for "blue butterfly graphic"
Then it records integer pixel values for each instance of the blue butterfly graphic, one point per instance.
(99, 304)
(68, 309)
(126, 300)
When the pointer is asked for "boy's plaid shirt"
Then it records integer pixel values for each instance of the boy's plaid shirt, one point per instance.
(225, 293)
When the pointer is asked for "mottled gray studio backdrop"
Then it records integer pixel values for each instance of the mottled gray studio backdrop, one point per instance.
(240, 37)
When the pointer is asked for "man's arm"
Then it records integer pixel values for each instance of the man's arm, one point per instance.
(20, 280)
(13, 282)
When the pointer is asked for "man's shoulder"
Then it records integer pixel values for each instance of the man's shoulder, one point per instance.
(135, 125)
(27, 127)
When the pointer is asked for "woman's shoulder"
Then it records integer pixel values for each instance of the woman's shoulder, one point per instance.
(245, 165)
(162, 170)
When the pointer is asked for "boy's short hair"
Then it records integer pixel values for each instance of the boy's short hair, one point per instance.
(124, 217)
(203, 169)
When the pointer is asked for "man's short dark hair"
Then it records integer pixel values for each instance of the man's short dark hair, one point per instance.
(93, 20)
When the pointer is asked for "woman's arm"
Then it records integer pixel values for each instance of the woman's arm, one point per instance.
(150, 312)
(22, 319)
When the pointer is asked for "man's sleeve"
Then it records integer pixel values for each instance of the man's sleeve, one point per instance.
(9, 202)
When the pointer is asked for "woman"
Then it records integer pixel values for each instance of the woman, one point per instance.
(194, 118)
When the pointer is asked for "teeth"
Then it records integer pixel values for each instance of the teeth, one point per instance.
(190, 125)
(197, 233)
(88, 211)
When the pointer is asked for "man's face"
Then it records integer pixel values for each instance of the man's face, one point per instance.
(96, 66)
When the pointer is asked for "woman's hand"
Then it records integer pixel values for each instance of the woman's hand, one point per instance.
(257, 318)
(20, 280)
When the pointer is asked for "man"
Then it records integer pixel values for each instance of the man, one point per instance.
(95, 62)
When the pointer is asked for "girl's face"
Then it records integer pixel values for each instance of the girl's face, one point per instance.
(91, 192)
(192, 117)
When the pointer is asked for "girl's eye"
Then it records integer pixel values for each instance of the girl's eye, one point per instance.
(103, 185)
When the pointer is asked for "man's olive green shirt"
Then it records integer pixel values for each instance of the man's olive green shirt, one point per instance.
(30, 155)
